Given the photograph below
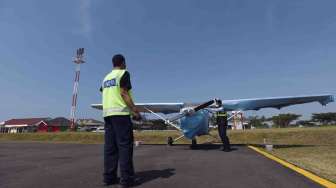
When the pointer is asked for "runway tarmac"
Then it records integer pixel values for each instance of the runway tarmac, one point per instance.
(42, 165)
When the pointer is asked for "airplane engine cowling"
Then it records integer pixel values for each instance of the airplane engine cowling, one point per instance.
(196, 124)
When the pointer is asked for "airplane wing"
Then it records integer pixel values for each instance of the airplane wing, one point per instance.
(165, 108)
(235, 105)
(274, 102)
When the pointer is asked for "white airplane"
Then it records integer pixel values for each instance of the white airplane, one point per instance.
(192, 119)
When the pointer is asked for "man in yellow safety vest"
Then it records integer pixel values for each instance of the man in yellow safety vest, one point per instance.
(118, 107)
(222, 123)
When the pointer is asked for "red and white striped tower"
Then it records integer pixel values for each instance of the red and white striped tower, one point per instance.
(78, 60)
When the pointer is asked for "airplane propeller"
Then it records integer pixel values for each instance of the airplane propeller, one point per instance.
(191, 110)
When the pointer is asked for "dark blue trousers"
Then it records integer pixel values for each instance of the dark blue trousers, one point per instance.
(222, 126)
(118, 148)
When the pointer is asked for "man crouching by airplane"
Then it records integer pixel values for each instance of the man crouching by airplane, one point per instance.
(222, 123)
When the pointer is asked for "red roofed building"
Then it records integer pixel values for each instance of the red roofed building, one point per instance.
(22, 125)
(35, 125)
(54, 125)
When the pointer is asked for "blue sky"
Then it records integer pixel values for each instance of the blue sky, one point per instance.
(176, 51)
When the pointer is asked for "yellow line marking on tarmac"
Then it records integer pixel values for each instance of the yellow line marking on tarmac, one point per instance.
(305, 173)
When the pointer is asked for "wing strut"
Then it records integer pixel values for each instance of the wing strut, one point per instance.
(178, 138)
(164, 119)
(234, 114)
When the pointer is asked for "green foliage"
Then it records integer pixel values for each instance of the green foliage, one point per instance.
(289, 136)
(154, 124)
(324, 118)
(212, 120)
(284, 120)
(305, 123)
(257, 122)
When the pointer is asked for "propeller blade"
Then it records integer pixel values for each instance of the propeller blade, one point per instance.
(195, 109)
(204, 105)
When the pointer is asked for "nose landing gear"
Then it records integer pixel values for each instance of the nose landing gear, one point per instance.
(170, 141)
(193, 143)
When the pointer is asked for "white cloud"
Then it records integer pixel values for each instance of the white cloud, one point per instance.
(85, 17)
(270, 15)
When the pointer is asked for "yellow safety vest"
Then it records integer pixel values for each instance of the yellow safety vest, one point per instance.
(113, 103)
(221, 114)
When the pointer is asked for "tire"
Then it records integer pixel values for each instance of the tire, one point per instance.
(170, 141)
(194, 142)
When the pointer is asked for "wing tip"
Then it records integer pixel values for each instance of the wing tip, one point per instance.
(329, 99)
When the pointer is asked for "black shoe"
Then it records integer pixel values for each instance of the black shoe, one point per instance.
(226, 149)
(133, 183)
(114, 182)
(109, 184)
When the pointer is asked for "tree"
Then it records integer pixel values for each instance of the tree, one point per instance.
(257, 122)
(159, 124)
(305, 123)
(284, 120)
(324, 118)
(212, 120)
(152, 124)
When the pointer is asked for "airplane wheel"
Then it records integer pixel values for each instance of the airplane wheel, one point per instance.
(170, 141)
(194, 142)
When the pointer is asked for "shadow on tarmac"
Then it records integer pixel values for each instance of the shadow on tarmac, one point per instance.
(150, 175)
(209, 147)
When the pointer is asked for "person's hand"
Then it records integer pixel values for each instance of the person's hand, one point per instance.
(135, 114)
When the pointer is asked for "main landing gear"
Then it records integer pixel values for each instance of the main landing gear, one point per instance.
(170, 141)
(193, 143)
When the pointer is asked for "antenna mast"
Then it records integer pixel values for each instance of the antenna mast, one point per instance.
(78, 60)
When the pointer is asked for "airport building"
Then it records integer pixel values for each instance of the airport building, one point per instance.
(21, 125)
(89, 125)
(54, 125)
(35, 125)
